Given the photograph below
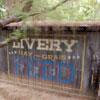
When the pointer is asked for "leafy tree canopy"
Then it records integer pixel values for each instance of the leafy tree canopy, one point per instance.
(72, 10)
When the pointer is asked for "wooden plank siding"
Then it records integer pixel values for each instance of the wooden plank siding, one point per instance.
(56, 57)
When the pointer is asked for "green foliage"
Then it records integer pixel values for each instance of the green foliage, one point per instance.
(72, 10)
(3, 11)
(18, 34)
(8, 40)
(75, 10)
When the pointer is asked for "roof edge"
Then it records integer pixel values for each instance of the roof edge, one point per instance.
(58, 23)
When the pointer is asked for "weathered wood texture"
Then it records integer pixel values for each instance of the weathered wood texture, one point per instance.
(72, 72)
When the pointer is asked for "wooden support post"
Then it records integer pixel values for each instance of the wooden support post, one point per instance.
(98, 75)
(98, 97)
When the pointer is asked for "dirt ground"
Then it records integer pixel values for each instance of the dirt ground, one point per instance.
(10, 91)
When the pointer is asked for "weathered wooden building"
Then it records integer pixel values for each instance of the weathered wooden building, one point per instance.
(62, 56)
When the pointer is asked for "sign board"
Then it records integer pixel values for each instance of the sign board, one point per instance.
(52, 58)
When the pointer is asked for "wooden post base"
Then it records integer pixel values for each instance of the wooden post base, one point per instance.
(98, 98)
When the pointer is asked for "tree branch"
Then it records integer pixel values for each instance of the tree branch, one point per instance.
(18, 18)
(51, 9)
(9, 20)
(4, 43)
